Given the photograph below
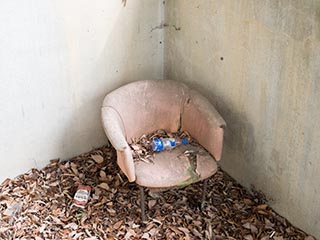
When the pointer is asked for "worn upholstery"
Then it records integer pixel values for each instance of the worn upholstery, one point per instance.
(145, 106)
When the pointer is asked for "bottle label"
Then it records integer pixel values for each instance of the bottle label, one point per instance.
(157, 145)
(172, 142)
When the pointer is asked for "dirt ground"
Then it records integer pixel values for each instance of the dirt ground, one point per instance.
(38, 205)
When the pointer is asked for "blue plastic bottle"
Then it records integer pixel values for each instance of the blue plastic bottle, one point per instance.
(159, 145)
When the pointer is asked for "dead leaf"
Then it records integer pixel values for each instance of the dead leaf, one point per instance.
(57, 220)
(97, 158)
(42, 228)
(278, 238)
(73, 226)
(12, 209)
(146, 236)
(152, 203)
(103, 175)
(104, 186)
(247, 225)
(268, 224)
(129, 234)
(262, 207)
(248, 237)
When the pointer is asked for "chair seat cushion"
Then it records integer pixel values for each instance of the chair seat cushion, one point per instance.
(181, 166)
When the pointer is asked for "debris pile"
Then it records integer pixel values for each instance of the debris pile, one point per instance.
(39, 205)
(141, 147)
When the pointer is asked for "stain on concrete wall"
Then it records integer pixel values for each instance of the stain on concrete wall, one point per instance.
(259, 63)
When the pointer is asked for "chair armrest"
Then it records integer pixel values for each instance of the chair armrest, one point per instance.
(113, 127)
(204, 123)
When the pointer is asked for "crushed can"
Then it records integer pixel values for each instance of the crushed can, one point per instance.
(82, 196)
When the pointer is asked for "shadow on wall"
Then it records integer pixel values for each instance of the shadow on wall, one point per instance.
(239, 135)
(239, 140)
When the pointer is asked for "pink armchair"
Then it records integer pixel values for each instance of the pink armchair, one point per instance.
(145, 106)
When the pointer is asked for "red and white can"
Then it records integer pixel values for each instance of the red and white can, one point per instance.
(82, 196)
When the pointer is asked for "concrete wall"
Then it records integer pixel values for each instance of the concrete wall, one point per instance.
(57, 61)
(259, 63)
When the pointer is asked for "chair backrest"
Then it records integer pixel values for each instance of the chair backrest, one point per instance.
(149, 105)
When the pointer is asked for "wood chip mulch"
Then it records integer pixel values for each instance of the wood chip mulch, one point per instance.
(38, 205)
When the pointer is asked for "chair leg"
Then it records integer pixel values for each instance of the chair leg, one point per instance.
(204, 193)
(142, 204)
